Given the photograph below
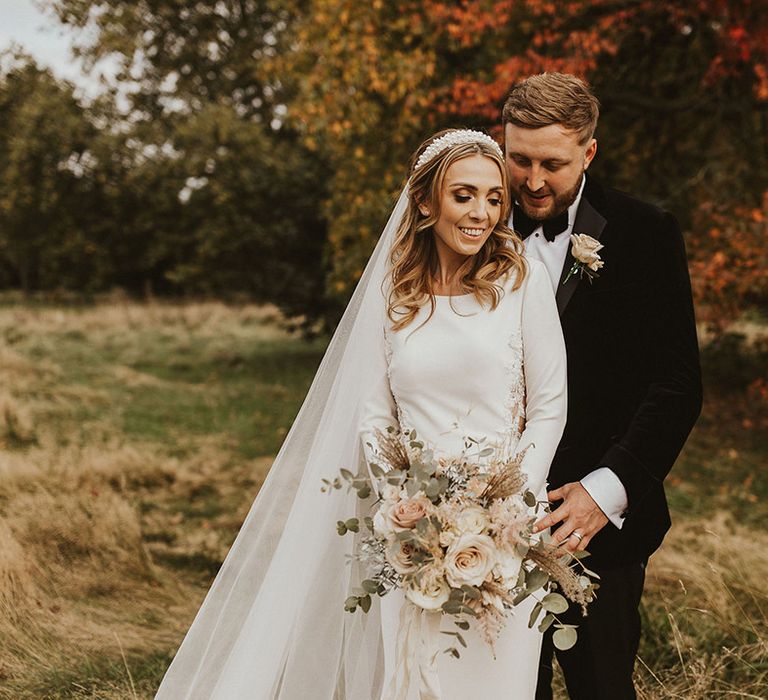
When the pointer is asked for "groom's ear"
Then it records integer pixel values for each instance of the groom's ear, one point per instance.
(589, 154)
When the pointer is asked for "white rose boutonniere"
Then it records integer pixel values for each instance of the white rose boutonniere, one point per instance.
(585, 249)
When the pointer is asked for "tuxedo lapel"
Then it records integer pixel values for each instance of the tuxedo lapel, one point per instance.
(589, 221)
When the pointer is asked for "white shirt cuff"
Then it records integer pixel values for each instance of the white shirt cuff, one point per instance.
(608, 492)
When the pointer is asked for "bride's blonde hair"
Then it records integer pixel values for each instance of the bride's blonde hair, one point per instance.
(413, 257)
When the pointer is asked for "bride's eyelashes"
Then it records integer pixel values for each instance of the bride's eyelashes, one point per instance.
(463, 198)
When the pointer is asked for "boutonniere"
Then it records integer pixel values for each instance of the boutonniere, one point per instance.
(587, 262)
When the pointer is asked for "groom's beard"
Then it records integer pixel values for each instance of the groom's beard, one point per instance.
(560, 202)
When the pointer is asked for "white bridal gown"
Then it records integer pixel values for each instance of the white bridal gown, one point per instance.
(499, 375)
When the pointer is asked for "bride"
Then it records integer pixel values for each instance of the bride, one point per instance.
(450, 332)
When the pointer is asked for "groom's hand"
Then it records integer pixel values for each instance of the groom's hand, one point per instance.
(577, 513)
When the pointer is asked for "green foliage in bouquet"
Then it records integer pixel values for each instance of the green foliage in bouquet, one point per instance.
(455, 535)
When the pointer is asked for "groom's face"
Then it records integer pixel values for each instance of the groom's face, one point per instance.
(545, 167)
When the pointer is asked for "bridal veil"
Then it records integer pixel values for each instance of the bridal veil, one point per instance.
(273, 623)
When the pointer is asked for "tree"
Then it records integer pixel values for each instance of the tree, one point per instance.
(43, 157)
(222, 197)
(684, 91)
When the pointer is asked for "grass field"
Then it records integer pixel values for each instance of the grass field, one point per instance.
(134, 438)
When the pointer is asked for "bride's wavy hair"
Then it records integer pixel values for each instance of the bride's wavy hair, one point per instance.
(413, 257)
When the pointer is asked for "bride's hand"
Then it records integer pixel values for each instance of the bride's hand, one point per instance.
(579, 515)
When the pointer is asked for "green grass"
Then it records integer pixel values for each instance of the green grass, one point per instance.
(175, 412)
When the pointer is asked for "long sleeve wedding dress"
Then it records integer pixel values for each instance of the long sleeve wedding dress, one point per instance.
(474, 372)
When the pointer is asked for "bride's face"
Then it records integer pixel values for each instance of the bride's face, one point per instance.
(471, 201)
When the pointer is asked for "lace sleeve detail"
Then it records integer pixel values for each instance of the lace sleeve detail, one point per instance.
(515, 404)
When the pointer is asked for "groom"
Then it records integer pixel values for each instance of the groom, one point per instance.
(634, 383)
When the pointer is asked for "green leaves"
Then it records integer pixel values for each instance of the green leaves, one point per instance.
(564, 637)
(353, 602)
(344, 526)
(535, 579)
(554, 603)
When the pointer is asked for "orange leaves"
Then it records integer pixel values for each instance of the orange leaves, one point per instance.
(729, 269)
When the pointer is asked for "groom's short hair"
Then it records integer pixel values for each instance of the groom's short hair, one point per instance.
(553, 98)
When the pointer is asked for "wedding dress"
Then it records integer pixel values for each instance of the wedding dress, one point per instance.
(273, 626)
(493, 375)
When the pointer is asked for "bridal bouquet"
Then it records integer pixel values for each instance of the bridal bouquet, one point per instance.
(456, 537)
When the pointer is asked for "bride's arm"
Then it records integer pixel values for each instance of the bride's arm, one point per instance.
(378, 409)
(544, 364)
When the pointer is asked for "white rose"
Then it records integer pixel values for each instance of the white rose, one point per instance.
(430, 595)
(585, 248)
(382, 523)
(390, 492)
(399, 556)
(447, 537)
(469, 560)
(508, 565)
(472, 519)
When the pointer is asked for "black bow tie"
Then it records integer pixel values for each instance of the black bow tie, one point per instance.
(525, 225)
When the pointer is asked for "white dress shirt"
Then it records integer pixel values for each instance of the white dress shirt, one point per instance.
(602, 484)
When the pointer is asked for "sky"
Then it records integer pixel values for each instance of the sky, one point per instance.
(40, 34)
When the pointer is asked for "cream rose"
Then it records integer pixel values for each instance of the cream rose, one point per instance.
(447, 537)
(399, 556)
(390, 492)
(469, 560)
(472, 519)
(508, 565)
(430, 595)
(406, 513)
(585, 249)
(382, 523)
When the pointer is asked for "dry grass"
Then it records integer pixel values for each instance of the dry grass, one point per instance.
(132, 440)
(108, 539)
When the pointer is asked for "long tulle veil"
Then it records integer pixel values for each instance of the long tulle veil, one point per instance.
(273, 623)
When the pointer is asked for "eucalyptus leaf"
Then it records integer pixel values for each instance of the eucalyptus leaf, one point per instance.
(370, 586)
(341, 528)
(535, 579)
(471, 591)
(534, 614)
(564, 638)
(554, 603)
(364, 491)
(546, 622)
(348, 475)
(365, 603)
(433, 488)
(462, 624)
(529, 499)
(353, 525)
(486, 452)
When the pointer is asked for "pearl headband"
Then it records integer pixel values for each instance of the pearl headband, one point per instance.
(454, 138)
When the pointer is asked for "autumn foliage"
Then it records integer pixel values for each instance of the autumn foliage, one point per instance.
(684, 88)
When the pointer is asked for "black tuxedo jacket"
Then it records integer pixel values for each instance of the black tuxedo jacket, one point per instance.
(634, 381)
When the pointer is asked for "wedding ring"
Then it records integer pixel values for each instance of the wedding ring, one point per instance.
(577, 535)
